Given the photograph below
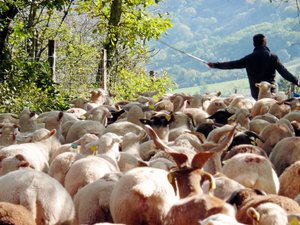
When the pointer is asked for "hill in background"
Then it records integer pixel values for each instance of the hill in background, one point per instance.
(221, 30)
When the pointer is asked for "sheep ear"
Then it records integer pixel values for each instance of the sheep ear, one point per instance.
(23, 161)
(253, 214)
(60, 116)
(172, 180)
(142, 163)
(257, 84)
(200, 159)
(180, 159)
(52, 133)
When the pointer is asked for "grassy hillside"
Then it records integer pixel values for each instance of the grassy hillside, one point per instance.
(227, 88)
(203, 30)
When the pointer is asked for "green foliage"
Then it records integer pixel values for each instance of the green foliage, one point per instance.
(81, 29)
(14, 99)
(138, 81)
(29, 84)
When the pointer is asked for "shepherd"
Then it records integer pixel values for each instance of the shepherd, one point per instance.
(261, 65)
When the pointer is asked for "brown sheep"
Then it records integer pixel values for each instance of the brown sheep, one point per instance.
(246, 198)
(13, 214)
(290, 181)
(193, 205)
(285, 153)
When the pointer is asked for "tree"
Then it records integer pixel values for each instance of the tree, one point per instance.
(127, 26)
(81, 30)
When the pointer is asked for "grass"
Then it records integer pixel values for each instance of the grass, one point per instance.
(228, 87)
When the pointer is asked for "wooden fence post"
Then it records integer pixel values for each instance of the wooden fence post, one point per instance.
(101, 77)
(104, 72)
(51, 58)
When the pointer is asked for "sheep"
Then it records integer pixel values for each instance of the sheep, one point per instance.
(9, 118)
(55, 122)
(272, 134)
(8, 134)
(245, 198)
(43, 196)
(15, 214)
(28, 121)
(100, 114)
(79, 103)
(207, 127)
(142, 196)
(257, 125)
(264, 88)
(241, 102)
(36, 153)
(92, 201)
(262, 106)
(134, 114)
(215, 105)
(147, 93)
(180, 124)
(253, 171)
(221, 116)
(100, 97)
(79, 113)
(242, 117)
(77, 146)
(197, 115)
(290, 181)
(130, 157)
(285, 153)
(219, 219)
(268, 213)
(193, 203)
(123, 127)
(90, 168)
(11, 163)
(243, 148)
(85, 171)
(224, 186)
(279, 109)
(81, 127)
(61, 164)
(160, 122)
(245, 137)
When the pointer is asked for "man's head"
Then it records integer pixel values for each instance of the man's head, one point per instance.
(259, 40)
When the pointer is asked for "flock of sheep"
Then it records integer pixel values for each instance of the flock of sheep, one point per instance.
(180, 160)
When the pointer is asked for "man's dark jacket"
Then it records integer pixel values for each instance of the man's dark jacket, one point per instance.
(261, 65)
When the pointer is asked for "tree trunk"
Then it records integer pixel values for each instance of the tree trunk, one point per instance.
(113, 33)
(6, 17)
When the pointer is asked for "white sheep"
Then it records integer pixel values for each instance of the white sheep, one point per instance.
(92, 201)
(142, 195)
(219, 219)
(36, 153)
(253, 171)
(85, 171)
(28, 120)
(46, 199)
(81, 127)
(268, 213)
(8, 134)
(61, 164)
